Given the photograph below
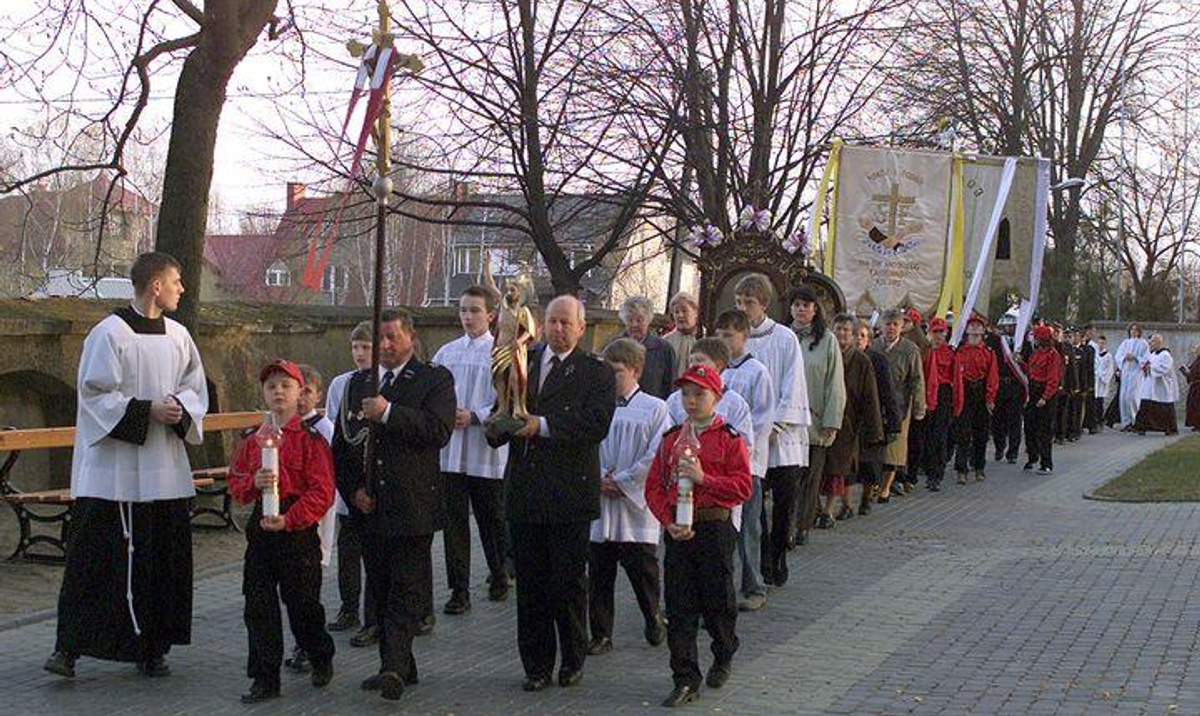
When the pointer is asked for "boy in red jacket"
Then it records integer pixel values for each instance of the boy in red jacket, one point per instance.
(283, 553)
(698, 566)
(980, 378)
(1044, 369)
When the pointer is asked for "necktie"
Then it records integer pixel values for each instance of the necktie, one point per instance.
(622, 402)
(388, 377)
(554, 363)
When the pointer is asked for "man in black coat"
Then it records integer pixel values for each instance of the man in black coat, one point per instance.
(552, 493)
(411, 419)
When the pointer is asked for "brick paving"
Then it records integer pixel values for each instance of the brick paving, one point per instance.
(1014, 596)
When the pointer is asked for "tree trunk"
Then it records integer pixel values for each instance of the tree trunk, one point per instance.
(199, 98)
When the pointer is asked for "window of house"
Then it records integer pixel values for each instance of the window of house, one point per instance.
(466, 260)
(278, 274)
(336, 278)
(579, 254)
(502, 262)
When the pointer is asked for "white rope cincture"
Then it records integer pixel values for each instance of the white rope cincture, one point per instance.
(127, 530)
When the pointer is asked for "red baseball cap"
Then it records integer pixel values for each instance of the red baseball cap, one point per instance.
(937, 325)
(977, 319)
(703, 376)
(1043, 334)
(279, 365)
(913, 315)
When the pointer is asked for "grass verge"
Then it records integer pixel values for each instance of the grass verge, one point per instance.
(1171, 474)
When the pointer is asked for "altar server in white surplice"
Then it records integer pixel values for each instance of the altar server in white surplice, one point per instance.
(472, 470)
(1130, 356)
(627, 532)
(749, 378)
(1160, 391)
(127, 590)
(777, 347)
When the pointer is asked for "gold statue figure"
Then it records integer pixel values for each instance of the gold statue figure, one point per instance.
(510, 361)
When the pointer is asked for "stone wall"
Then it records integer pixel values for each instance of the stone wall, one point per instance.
(42, 342)
(1179, 337)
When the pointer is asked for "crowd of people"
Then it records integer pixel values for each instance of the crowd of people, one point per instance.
(695, 461)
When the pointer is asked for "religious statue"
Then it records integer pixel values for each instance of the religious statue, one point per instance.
(510, 367)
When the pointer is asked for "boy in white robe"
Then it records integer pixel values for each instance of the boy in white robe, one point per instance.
(1159, 391)
(142, 395)
(626, 533)
(1106, 368)
(778, 348)
(472, 471)
(349, 534)
(749, 378)
(1130, 356)
(311, 394)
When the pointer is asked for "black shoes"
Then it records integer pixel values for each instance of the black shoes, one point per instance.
(61, 663)
(824, 521)
(459, 603)
(683, 694)
(601, 645)
(536, 683)
(425, 626)
(322, 674)
(656, 630)
(366, 636)
(864, 507)
(498, 590)
(261, 690)
(375, 683)
(845, 513)
(391, 686)
(962, 478)
(345, 621)
(298, 661)
(567, 679)
(718, 674)
(154, 667)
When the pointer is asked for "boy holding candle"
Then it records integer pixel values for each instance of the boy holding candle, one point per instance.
(291, 484)
(701, 538)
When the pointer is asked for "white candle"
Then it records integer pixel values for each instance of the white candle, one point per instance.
(683, 507)
(270, 496)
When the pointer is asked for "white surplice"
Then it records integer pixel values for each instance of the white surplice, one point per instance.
(333, 403)
(749, 378)
(626, 452)
(469, 360)
(1160, 384)
(119, 365)
(1106, 368)
(777, 348)
(1131, 375)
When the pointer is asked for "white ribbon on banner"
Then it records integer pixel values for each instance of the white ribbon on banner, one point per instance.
(1039, 252)
(985, 254)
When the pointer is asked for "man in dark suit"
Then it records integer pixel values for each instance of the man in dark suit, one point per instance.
(552, 493)
(410, 419)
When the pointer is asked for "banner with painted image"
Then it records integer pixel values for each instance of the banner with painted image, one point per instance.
(1008, 273)
(892, 211)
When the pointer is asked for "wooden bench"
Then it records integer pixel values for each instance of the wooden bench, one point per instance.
(54, 506)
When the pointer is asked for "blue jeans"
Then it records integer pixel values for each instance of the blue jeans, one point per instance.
(750, 542)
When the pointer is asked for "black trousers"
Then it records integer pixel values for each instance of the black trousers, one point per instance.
(552, 594)
(918, 430)
(466, 494)
(698, 574)
(936, 450)
(1059, 420)
(1094, 420)
(640, 562)
(783, 483)
(1075, 415)
(1006, 420)
(808, 490)
(282, 566)
(400, 572)
(972, 429)
(1039, 427)
(349, 570)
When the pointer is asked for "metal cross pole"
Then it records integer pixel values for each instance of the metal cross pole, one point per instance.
(382, 188)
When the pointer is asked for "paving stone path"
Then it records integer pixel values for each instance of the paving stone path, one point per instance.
(1014, 596)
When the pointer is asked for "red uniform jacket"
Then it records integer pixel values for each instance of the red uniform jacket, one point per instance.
(977, 363)
(726, 472)
(1045, 366)
(946, 372)
(305, 474)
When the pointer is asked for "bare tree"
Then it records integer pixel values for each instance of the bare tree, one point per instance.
(1043, 77)
(134, 43)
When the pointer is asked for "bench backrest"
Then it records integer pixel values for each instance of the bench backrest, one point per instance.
(47, 438)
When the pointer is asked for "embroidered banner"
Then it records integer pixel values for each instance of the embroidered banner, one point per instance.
(892, 213)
